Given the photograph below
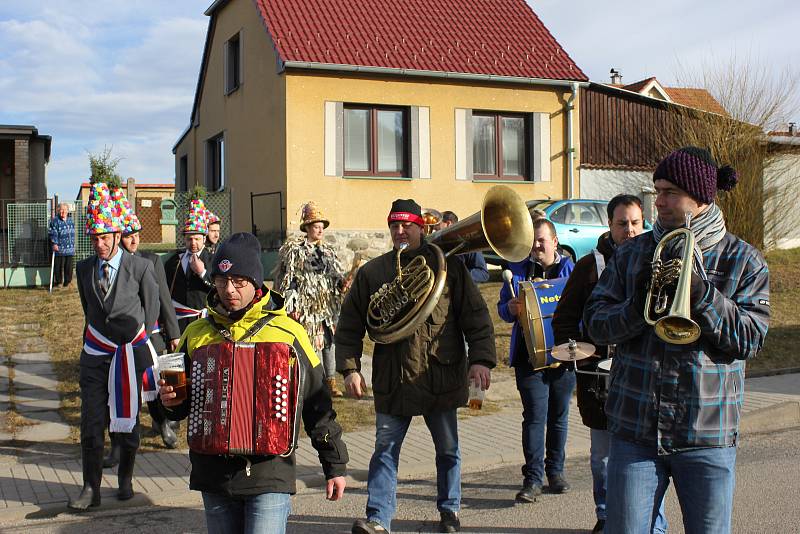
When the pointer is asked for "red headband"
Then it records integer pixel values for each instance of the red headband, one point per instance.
(404, 216)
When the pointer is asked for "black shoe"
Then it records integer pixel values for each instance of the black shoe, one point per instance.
(92, 460)
(599, 526)
(528, 493)
(557, 484)
(125, 474)
(362, 526)
(113, 456)
(168, 434)
(449, 522)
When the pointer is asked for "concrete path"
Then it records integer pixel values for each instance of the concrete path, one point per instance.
(37, 482)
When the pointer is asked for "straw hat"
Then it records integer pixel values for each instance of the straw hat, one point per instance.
(312, 214)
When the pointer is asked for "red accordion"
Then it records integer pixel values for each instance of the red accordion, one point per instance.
(244, 399)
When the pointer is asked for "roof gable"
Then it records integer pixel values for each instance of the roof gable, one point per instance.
(486, 37)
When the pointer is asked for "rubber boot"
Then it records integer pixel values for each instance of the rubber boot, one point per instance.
(113, 455)
(127, 458)
(332, 387)
(92, 475)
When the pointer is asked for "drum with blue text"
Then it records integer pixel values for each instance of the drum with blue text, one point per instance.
(539, 300)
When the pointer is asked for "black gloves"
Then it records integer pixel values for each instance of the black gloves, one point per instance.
(697, 290)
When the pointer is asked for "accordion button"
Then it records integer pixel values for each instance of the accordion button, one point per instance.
(283, 419)
(284, 395)
(285, 381)
(278, 377)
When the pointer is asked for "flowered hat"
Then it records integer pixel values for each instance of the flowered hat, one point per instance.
(311, 215)
(196, 218)
(211, 218)
(102, 213)
(130, 222)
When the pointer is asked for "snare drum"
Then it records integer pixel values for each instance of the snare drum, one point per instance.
(604, 365)
(539, 300)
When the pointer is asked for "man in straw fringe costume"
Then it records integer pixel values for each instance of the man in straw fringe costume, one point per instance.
(311, 279)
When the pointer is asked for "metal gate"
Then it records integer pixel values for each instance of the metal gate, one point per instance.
(267, 219)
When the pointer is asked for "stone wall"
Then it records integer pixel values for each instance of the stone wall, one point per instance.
(368, 243)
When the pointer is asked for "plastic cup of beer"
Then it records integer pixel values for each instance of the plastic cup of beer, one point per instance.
(476, 396)
(173, 372)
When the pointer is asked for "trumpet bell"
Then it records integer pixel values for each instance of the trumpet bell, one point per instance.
(677, 330)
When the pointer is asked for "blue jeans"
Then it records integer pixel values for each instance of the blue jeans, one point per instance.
(545, 399)
(266, 513)
(638, 478)
(390, 431)
(599, 462)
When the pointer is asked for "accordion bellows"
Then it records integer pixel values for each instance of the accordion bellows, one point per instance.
(244, 399)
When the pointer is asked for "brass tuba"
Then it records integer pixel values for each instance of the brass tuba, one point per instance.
(503, 225)
(668, 310)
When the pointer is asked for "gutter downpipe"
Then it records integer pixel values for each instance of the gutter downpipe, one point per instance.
(570, 106)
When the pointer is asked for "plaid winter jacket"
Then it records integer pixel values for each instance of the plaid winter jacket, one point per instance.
(681, 396)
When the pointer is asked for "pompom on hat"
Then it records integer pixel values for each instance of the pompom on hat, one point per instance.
(196, 218)
(312, 214)
(102, 212)
(694, 170)
(130, 222)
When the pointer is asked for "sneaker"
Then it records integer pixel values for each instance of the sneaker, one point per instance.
(599, 526)
(558, 484)
(362, 526)
(449, 522)
(528, 493)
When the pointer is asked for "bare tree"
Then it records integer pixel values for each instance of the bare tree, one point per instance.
(757, 101)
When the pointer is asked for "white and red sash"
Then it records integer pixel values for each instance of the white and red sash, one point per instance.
(185, 312)
(123, 396)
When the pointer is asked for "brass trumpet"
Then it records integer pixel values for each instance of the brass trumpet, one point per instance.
(670, 313)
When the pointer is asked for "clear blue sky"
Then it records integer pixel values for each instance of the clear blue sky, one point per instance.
(95, 73)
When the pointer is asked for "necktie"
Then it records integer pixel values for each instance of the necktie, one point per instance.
(105, 279)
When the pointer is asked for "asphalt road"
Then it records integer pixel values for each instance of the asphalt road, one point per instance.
(768, 471)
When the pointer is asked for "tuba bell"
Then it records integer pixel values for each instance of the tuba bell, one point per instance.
(667, 304)
(399, 307)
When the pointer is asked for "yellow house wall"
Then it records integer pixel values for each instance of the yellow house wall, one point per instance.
(364, 203)
(251, 117)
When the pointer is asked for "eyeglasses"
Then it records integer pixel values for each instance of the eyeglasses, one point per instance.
(221, 282)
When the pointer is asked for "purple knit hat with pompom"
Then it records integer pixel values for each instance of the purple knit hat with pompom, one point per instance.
(695, 171)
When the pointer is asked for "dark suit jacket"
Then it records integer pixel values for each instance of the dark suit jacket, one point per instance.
(188, 288)
(132, 300)
(166, 313)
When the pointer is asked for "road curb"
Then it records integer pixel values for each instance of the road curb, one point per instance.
(771, 418)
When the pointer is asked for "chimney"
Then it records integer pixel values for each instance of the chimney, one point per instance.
(792, 128)
(616, 77)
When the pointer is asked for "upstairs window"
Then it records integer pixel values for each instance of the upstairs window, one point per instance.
(233, 64)
(376, 141)
(499, 146)
(215, 163)
(183, 173)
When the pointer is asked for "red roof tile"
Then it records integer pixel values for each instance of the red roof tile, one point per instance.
(695, 98)
(494, 37)
(637, 87)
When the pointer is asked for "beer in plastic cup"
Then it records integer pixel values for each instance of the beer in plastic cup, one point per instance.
(476, 396)
(173, 372)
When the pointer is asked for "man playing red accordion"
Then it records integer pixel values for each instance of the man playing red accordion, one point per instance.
(247, 359)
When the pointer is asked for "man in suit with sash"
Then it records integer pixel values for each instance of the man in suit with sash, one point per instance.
(119, 295)
(188, 272)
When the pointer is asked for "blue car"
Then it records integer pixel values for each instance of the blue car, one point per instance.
(578, 222)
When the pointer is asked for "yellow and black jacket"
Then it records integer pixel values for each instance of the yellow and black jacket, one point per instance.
(253, 475)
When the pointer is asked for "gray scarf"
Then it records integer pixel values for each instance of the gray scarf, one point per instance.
(708, 229)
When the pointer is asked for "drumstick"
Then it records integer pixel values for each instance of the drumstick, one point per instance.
(508, 277)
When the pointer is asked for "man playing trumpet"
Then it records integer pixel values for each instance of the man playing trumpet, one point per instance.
(673, 408)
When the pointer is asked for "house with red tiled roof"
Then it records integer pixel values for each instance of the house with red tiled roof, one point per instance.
(355, 104)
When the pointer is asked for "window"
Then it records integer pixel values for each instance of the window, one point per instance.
(499, 148)
(215, 163)
(233, 64)
(183, 174)
(375, 141)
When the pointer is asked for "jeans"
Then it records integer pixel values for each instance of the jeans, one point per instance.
(599, 463)
(327, 354)
(545, 399)
(266, 513)
(390, 431)
(638, 478)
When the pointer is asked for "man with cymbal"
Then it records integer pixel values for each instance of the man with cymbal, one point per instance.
(625, 221)
(676, 388)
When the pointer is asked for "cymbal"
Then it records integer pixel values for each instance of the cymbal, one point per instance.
(582, 351)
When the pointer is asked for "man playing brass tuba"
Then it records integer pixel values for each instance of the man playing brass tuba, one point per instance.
(673, 409)
(423, 374)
